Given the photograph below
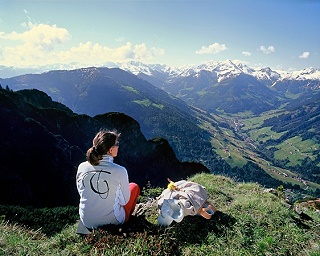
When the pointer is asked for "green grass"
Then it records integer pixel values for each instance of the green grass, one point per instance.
(54, 90)
(249, 221)
(296, 150)
(236, 147)
(292, 96)
(148, 103)
(252, 123)
(264, 134)
(202, 92)
(255, 122)
(228, 152)
(130, 89)
(236, 160)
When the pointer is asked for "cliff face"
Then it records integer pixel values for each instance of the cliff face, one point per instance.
(42, 143)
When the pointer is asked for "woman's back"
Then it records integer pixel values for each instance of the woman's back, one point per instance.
(103, 190)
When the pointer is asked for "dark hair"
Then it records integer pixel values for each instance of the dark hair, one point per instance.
(102, 142)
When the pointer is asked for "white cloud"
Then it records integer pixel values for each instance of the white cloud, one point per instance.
(141, 52)
(267, 50)
(246, 53)
(96, 54)
(304, 55)
(39, 35)
(212, 49)
(37, 46)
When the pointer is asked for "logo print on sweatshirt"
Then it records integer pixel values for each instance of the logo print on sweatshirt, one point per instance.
(98, 182)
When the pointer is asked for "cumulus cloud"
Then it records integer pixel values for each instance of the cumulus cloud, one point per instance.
(212, 49)
(304, 55)
(39, 36)
(38, 45)
(246, 53)
(267, 50)
(96, 54)
(141, 51)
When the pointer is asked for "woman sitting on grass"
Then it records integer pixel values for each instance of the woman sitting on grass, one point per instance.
(106, 196)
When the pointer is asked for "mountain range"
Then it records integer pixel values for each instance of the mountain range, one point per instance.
(204, 112)
(222, 70)
(228, 87)
(94, 91)
(216, 86)
(43, 142)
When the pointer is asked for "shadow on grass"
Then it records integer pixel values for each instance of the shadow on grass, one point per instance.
(49, 221)
(191, 230)
(136, 224)
(300, 223)
(137, 235)
(159, 240)
(194, 229)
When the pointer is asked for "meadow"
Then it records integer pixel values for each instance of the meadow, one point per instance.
(249, 221)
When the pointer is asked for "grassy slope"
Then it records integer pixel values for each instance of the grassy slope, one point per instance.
(236, 152)
(249, 222)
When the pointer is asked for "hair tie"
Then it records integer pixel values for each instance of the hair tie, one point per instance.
(94, 148)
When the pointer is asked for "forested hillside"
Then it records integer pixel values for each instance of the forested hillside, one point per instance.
(43, 142)
(95, 91)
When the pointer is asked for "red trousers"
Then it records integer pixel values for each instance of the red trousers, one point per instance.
(134, 193)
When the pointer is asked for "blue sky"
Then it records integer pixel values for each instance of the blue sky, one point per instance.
(281, 34)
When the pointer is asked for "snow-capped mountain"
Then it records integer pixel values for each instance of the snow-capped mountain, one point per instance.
(160, 74)
(220, 69)
(226, 85)
(304, 74)
(229, 86)
(266, 75)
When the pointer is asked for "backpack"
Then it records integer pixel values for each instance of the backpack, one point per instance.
(190, 196)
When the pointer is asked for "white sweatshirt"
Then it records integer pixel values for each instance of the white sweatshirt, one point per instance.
(103, 190)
